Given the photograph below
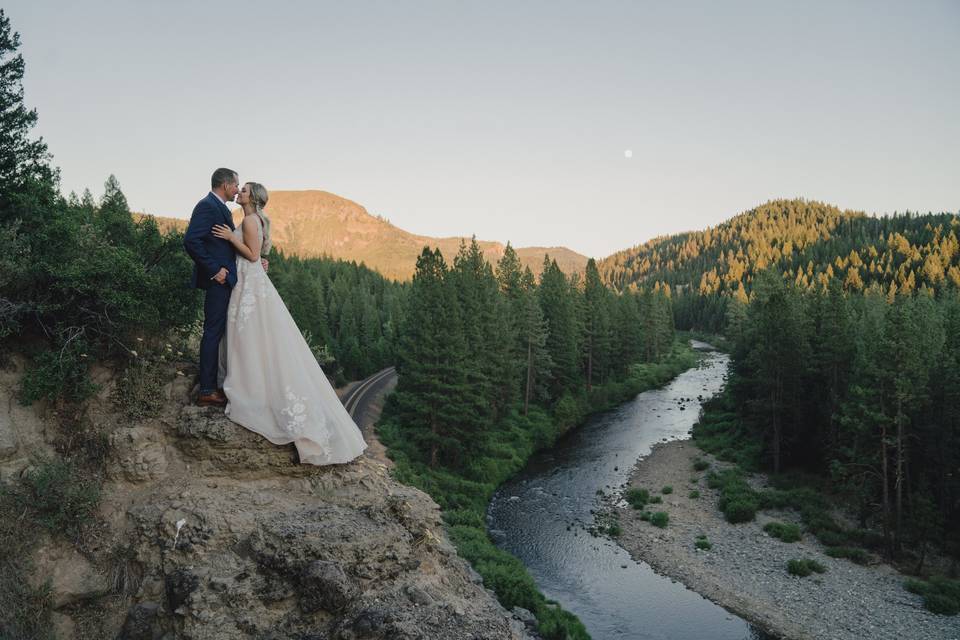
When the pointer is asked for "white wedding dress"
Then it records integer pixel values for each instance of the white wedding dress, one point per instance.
(273, 383)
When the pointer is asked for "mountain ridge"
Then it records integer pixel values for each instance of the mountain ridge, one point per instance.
(810, 241)
(312, 223)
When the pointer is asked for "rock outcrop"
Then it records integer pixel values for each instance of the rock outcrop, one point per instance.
(210, 532)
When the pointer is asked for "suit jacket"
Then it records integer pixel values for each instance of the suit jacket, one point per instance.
(209, 252)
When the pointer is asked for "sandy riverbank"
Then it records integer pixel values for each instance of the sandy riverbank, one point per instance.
(745, 571)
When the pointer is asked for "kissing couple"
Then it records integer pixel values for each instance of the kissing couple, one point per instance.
(270, 381)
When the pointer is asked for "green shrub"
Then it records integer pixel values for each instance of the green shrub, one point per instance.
(940, 595)
(798, 568)
(95, 281)
(738, 501)
(816, 566)
(667, 490)
(721, 432)
(660, 519)
(466, 517)
(58, 372)
(941, 604)
(58, 497)
(656, 500)
(804, 567)
(739, 510)
(946, 586)
(638, 498)
(24, 611)
(700, 464)
(693, 495)
(137, 393)
(832, 538)
(783, 532)
(775, 499)
(556, 624)
(817, 518)
(703, 544)
(645, 516)
(567, 412)
(714, 480)
(854, 554)
(918, 587)
(614, 530)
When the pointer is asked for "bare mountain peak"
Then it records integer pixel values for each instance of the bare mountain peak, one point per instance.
(313, 222)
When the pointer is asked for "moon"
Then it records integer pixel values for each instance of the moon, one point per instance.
(628, 154)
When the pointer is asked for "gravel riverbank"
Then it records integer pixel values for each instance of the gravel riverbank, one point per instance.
(745, 571)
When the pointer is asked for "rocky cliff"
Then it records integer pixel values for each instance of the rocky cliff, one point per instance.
(206, 531)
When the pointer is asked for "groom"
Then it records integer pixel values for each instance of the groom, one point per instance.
(214, 271)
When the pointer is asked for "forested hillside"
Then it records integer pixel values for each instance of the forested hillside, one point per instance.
(859, 390)
(810, 243)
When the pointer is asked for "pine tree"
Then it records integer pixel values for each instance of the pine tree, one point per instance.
(534, 336)
(510, 274)
(371, 328)
(112, 218)
(596, 326)
(515, 291)
(832, 354)
(557, 304)
(911, 337)
(627, 334)
(26, 177)
(430, 364)
(776, 347)
(476, 292)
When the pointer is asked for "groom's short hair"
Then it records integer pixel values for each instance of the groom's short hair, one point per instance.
(222, 176)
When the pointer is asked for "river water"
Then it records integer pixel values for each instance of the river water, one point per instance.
(543, 514)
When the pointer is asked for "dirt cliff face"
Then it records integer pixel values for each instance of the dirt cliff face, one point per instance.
(207, 531)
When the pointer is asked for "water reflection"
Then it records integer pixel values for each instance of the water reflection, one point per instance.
(542, 516)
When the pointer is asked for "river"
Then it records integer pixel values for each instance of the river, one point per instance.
(543, 514)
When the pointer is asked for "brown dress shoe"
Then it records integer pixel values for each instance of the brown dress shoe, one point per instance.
(212, 399)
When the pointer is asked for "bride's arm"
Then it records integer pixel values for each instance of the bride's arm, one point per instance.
(251, 238)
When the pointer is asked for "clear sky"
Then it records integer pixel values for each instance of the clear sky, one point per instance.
(511, 119)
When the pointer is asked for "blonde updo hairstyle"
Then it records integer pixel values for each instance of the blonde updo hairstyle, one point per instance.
(259, 197)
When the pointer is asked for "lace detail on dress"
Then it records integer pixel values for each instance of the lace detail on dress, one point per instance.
(297, 414)
(254, 288)
(252, 282)
(296, 410)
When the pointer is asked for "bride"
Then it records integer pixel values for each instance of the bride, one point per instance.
(273, 383)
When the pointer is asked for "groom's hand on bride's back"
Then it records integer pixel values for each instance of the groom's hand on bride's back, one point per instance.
(265, 263)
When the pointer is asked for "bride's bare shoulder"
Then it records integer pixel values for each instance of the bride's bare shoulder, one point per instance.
(252, 221)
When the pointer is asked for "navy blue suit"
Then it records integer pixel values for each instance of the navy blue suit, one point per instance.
(210, 254)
